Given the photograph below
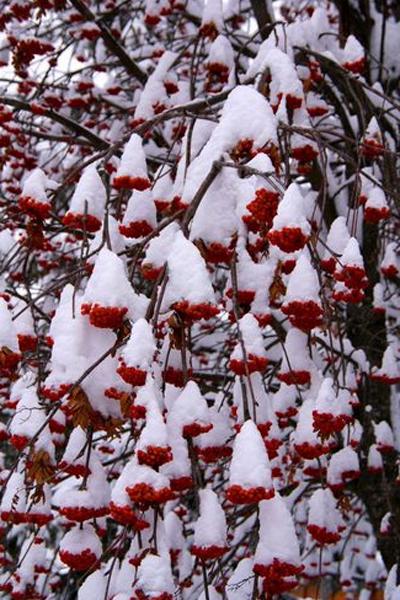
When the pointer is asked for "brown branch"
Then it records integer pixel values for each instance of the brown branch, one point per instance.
(111, 43)
(70, 124)
(263, 18)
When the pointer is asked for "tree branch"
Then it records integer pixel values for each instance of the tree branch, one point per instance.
(111, 42)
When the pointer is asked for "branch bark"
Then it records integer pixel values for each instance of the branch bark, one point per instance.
(262, 15)
(111, 43)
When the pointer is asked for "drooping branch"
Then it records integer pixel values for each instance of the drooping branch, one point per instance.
(112, 44)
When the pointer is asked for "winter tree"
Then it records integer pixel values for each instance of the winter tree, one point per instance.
(199, 309)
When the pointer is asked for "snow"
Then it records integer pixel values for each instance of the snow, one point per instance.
(375, 460)
(140, 207)
(35, 185)
(292, 211)
(73, 453)
(174, 531)
(135, 473)
(351, 254)
(189, 407)
(180, 465)
(390, 257)
(250, 465)
(108, 235)
(159, 246)
(304, 432)
(251, 275)
(93, 587)
(303, 282)
(7, 242)
(391, 45)
(154, 92)
(140, 349)
(252, 338)
(154, 576)
(148, 392)
(237, 123)
(296, 356)
(284, 78)
(215, 219)
(220, 432)
(210, 527)
(338, 237)
(221, 52)
(108, 284)
(162, 188)
(277, 536)
(384, 435)
(14, 497)
(89, 196)
(212, 13)
(24, 324)
(323, 511)
(155, 431)
(353, 50)
(8, 334)
(188, 278)
(241, 582)
(343, 460)
(81, 538)
(133, 159)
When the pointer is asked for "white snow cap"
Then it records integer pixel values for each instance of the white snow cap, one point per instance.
(353, 50)
(188, 278)
(212, 14)
(29, 418)
(250, 464)
(337, 238)
(82, 538)
(391, 257)
(154, 433)
(190, 407)
(108, 284)
(351, 254)
(296, 356)
(375, 460)
(210, 527)
(133, 159)
(153, 94)
(384, 435)
(109, 232)
(292, 211)
(140, 207)
(215, 219)
(390, 365)
(252, 338)
(284, 78)
(221, 52)
(323, 511)
(140, 348)
(89, 196)
(277, 536)
(303, 282)
(160, 246)
(35, 186)
(304, 432)
(238, 122)
(342, 461)
(154, 576)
